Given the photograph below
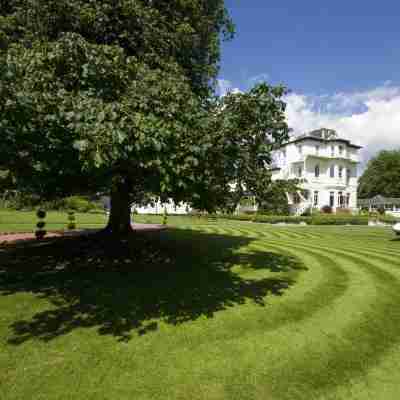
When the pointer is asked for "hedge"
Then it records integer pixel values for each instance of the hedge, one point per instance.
(312, 220)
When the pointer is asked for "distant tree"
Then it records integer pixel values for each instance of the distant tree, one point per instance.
(382, 176)
(118, 94)
(272, 199)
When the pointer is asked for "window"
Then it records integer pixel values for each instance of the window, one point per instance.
(316, 198)
(340, 199)
(332, 171)
(317, 150)
(284, 153)
(332, 199)
(348, 174)
(347, 200)
(300, 149)
(316, 171)
(333, 151)
(299, 171)
(340, 172)
(340, 150)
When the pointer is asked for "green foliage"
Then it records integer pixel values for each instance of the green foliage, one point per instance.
(41, 213)
(71, 220)
(388, 219)
(165, 217)
(272, 198)
(381, 210)
(40, 224)
(119, 94)
(339, 220)
(77, 203)
(40, 232)
(311, 220)
(382, 176)
(326, 209)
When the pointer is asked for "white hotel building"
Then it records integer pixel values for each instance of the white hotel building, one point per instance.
(326, 166)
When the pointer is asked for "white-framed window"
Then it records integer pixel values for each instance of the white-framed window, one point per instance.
(300, 147)
(316, 171)
(317, 150)
(316, 200)
(300, 171)
(332, 199)
(340, 150)
(332, 171)
(348, 199)
(333, 151)
(340, 199)
(340, 172)
(348, 174)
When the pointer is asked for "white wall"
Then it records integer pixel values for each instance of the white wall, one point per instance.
(307, 157)
(158, 208)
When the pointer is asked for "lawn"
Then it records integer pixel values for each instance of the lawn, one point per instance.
(224, 310)
(25, 221)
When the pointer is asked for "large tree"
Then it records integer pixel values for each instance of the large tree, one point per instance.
(381, 176)
(119, 94)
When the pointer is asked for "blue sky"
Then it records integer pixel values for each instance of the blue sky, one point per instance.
(314, 46)
(340, 59)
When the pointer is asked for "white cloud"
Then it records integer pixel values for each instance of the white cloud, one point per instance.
(257, 79)
(369, 118)
(225, 87)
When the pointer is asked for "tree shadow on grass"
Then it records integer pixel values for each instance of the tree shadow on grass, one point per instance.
(174, 276)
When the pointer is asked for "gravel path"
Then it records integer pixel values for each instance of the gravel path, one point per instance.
(14, 237)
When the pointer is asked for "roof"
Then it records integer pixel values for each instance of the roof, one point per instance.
(379, 200)
(308, 137)
(323, 135)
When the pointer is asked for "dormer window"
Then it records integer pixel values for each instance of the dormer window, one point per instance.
(316, 171)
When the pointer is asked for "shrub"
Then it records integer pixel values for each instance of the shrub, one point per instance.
(312, 220)
(388, 219)
(71, 220)
(40, 232)
(22, 201)
(165, 217)
(77, 203)
(381, 210)
(345, 211)
(249, 212)
(307, 213)
(339, 220)
(326, 209)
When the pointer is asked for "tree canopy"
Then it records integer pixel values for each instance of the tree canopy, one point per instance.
(120, 94)
(381, 176)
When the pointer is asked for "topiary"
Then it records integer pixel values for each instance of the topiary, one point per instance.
(72, 222)
(165, 217)
(40, 232)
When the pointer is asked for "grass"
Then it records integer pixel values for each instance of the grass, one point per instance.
(216, 310)
(25, 221)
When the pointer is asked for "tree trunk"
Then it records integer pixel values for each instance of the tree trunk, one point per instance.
(119, 222)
